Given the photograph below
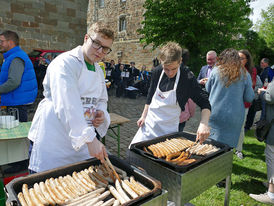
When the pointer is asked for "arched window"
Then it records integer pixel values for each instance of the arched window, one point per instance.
(101, 3)
(122, 23)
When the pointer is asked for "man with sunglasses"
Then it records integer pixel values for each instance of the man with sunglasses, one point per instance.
(75, 105)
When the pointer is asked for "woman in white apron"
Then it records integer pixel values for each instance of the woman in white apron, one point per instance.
(161, 116)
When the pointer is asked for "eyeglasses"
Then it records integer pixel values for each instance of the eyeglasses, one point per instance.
(1, 41)
(97, 45)
(242, 58)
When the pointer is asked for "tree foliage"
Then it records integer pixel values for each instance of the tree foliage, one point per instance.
(266, 26)
(199, 25)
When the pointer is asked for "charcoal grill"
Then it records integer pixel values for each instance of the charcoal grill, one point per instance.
(183, 184)
(154, 197)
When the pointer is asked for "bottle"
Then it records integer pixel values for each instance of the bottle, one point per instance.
(265, 83)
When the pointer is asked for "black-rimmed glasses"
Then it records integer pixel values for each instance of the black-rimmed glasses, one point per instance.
(97, 45)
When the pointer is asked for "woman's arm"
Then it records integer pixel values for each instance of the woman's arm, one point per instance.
(203, 129)
(142, 119)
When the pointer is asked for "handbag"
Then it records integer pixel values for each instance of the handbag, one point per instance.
(257, 104)
(262, 129)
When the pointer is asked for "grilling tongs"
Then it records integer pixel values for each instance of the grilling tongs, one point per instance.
(112, 168)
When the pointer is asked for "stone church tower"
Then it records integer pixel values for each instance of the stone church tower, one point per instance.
(124, 17)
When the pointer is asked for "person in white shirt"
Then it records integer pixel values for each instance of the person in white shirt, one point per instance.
(75, 105)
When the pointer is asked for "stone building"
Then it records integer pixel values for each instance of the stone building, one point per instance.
(124, 17)
(45, 24)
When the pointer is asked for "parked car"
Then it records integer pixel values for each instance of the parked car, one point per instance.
(40, 59)
(36, 53)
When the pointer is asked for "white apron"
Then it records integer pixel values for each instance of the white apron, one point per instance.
(163, 114)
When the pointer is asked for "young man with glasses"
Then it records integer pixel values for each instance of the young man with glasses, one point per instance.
(75, 105)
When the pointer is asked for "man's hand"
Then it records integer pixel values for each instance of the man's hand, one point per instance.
(97, 149)
(202, 132)
(99, 118)
(203, 81)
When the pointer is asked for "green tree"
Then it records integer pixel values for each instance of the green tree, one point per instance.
(265, 26)
(199, 25)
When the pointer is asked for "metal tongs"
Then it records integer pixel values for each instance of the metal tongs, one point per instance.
(112, 168)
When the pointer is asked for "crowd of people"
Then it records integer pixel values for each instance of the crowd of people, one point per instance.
(73, 113)
(123, 76)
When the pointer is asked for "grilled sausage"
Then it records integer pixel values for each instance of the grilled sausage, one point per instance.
(39, 194)
(22, 199)
(27, 195)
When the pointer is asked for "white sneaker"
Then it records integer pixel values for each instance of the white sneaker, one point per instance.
(239, 155)
(263, 198)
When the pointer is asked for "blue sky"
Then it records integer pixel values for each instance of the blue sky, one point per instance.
(257, 6)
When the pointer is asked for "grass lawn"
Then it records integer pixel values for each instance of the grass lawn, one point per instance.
(247, 177)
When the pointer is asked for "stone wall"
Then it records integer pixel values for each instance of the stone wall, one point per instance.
(45, 24)
(126, 45)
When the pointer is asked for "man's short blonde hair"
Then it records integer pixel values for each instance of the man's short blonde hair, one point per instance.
(100, 27)
(170, 52)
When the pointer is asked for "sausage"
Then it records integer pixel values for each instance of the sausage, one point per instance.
(84, 173)
(39, 194)
(139, 185)
(76, 179)
(88, 195)
(172, 155)
(22, 199)
(67, 188)
(62, 190)
(98, 176)
(88, 201)
(116, 203)
(116, 194)
(98, 203)
(106, 177)
(26, 194)
(135, 189)
(129, 190)
(84, 201)
(104, 195)
(74, 185)
(120, 171)
(52, 193)
(186, 162)
(109, 171)
(121, 191)
(85, 182)
(34, 198)
(56, 190)
(183, 154)
(46, 193)
(109, 202)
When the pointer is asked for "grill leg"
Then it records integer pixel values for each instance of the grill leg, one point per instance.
(227, 190)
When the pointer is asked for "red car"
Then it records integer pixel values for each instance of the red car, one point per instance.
(36, 53)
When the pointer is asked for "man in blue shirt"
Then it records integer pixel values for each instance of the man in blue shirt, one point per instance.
(211, 58)
(267, 72)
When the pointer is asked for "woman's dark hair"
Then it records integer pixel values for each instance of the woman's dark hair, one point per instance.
(249, 63)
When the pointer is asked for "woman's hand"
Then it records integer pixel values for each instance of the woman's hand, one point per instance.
(99, 118)
(97, 149)
(202, 132)
(141, 121)
(261, 90)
